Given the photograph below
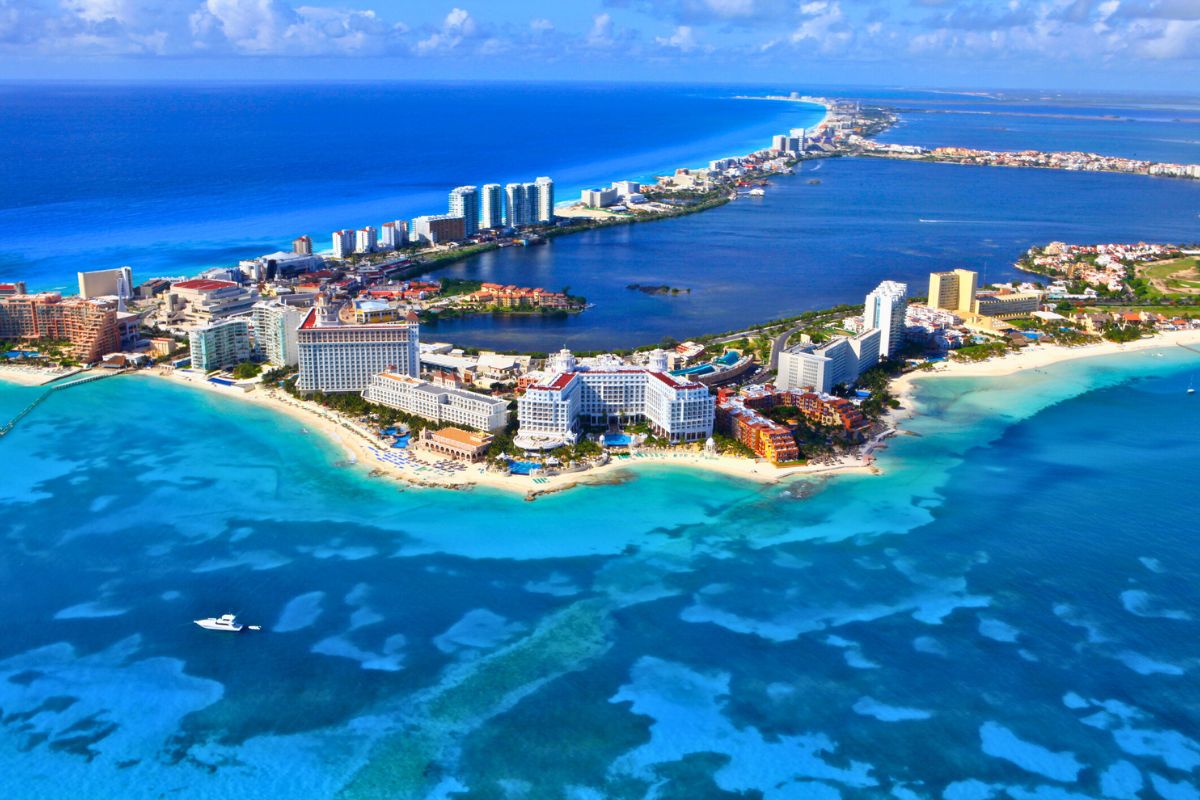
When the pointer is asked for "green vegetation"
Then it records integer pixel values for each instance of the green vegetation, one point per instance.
(246, 370)
(729, 446)
(1130, 332)
(277, 375)
(664, 289)
(877, 381)
(456, 286)
(49, 351)
(980, 352)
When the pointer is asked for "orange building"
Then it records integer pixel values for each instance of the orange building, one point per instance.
(89, 327)
(517, 296)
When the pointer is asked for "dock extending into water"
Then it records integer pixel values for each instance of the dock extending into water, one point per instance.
(41, 398)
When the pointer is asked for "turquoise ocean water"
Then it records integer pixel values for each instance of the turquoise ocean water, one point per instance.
(1008, 611)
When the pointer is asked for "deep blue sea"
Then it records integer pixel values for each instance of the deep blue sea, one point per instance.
(1009, 610)
(172, 179)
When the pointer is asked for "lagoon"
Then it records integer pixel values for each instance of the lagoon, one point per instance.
(805, 247)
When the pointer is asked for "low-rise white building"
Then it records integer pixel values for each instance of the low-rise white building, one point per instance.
(599, 198)
(821, 367)
(437, 403)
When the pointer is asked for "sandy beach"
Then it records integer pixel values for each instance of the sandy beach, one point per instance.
(1035, 357)
(362, 449)
(31, 376)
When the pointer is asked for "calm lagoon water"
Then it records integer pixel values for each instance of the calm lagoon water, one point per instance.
(806, 246)
(1008, 610)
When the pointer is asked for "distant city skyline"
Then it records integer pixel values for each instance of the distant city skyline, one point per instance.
(1050, 44)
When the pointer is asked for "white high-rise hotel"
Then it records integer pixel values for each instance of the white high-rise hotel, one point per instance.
(570, 396)
(341, 356)
(885, 308)
(843, 359)
(219, 345)
(545, 200)
(464, 202)
(491, 206)
(275, 325)
(530, 203)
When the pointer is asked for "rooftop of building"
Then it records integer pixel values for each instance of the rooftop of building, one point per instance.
(203, 284)
(459, 436)
(311, 321)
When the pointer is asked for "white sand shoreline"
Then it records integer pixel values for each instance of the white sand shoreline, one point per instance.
(360, 447)
(31, 376)
(1033, 358)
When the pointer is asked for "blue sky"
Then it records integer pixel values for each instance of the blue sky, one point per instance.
(1094, 44)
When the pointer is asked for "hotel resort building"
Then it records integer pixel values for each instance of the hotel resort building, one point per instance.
(203, 300)
(958, 291)
(220, 345)
(438, 228)
(884, 309)
(823, 366)
(90, 327)
(552, 410)
(440, 404)
(275, 337)
(741, 417)
(106, 283)
(337, 354)
(456, 443)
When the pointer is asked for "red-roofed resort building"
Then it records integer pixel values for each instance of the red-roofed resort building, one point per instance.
(552, 411)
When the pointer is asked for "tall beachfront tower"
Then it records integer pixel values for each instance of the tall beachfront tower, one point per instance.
(366, 240)
(393, 235)
(491, 206)
(532, 191)
(275, 325)
(343, 243)
(953, 291)
(516, 207)
(545, 200)
(464, 202)
(338, 355)
(884, 310)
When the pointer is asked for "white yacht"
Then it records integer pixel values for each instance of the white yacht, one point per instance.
(225, 622)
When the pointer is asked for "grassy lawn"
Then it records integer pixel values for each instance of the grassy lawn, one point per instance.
(1165, 269)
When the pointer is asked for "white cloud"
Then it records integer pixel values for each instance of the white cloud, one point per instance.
(457, 27)
(683, 39)
(601, 34)
(990, 35)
